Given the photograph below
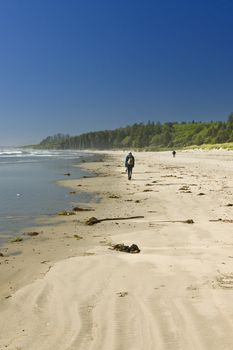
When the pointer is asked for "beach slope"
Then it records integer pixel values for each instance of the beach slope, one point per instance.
(62, 292)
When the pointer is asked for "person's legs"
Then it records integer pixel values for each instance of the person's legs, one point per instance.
(129, 172)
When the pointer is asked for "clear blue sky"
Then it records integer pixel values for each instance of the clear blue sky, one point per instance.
(73, 66)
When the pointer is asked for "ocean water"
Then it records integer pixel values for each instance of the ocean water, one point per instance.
(28, 188)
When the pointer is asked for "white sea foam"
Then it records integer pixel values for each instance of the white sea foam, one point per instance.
(24, 153)
(8, 152)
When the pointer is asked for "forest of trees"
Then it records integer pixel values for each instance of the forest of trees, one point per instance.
(150, 136)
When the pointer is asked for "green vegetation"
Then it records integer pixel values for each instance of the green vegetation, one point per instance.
(150, 136)
(16, 239)
(207, 146)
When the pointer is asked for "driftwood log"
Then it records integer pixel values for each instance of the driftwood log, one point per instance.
(188, 221)
(32, 233)
(133, 249)
(66, 213)
(229, 221)
(82, 209)
(93, 220)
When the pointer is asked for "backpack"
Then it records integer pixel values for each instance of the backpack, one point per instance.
(130, 161)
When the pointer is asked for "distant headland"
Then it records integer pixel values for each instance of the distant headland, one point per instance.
(150, 136)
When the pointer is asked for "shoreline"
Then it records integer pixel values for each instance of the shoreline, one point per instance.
(45, 226)
(30, 190)
(177, 290)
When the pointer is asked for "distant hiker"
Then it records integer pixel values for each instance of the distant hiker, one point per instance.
(174, 154)
(129, 164)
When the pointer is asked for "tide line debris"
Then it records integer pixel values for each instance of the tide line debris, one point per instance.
(32, 233)
(229, 221)
(66, 213)
(82, 209)
(188, 221)
(93, 220)
(126, 248)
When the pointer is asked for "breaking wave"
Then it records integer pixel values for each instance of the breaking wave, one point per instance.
(31, 153)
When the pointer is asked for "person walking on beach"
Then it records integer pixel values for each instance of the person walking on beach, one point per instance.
(129, 164)
(174, 153)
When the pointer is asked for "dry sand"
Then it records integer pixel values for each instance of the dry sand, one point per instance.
(63, 293)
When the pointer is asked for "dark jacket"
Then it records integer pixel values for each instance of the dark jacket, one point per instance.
(129, 161)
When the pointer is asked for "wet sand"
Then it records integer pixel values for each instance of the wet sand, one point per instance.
(65, 289)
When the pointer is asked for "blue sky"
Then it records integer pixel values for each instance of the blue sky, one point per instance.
(74, 66)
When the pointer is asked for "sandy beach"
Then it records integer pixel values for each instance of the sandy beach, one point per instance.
(66, 289)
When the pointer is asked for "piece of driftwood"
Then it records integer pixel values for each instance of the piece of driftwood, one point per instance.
(32, 233)
(93, 220)
(126, 248)
(229, 221)
(82, 209)
(78, 237)
(66, 213)
(188, 221)
(184, 188)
